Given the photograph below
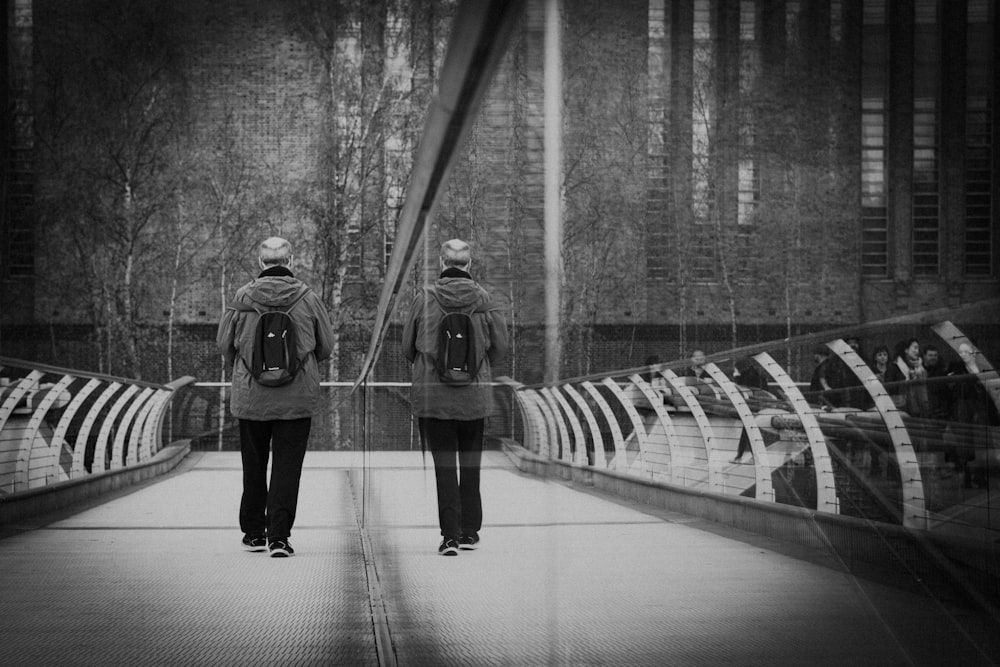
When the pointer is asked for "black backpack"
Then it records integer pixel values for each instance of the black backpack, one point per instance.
(456, 360)
(275, 346)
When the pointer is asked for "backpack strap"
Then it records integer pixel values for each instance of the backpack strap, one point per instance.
(302, 293)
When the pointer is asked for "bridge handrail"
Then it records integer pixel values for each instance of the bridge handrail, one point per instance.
(921, 318)
(81, 424)
(684, 432)
(57, 370)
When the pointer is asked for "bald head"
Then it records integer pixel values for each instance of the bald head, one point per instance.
(456, 253)
(275, 251)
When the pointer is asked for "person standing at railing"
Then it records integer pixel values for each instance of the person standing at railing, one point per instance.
(453, 336)
(938, 392)
(906, 378)
(697, 367)
(880, 362)
(275, 391)
(974, 415)
(847, 388)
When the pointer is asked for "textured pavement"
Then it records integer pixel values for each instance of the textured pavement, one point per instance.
(564, 577)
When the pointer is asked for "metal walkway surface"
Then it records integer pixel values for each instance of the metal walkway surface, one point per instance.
(565, 576)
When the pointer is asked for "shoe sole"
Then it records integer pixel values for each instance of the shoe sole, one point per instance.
(254, 549)
(280, 553)
(450, 551)
(468, 547)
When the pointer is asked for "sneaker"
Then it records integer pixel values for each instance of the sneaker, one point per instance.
(448, 547)
(254, 543)
(281, 549)
(468, 542)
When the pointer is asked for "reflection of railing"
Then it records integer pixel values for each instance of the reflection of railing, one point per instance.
(375, 416)
(868, 459)
(58, 424)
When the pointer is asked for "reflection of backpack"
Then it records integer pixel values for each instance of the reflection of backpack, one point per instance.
(275, 347)
(456, 360)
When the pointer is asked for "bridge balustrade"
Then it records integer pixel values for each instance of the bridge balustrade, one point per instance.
(58, 424)
(375, 417)
(857, 449)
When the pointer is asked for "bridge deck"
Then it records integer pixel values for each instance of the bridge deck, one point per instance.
(564, 576)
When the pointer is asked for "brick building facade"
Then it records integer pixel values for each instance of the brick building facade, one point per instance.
(734, 171)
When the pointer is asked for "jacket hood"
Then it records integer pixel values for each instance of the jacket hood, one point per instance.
(461, 293)
(271, 291)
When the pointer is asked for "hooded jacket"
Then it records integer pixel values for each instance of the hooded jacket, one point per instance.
(275, 289)
(455, 290)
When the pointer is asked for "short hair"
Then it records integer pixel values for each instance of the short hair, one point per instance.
(456, 253)
(880, 348)
(275, 251)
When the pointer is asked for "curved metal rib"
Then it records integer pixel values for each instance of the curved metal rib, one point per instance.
(666, 423)
(761, 464)
(600, 460)
(620, 461)
(914, 508)
(826, 485)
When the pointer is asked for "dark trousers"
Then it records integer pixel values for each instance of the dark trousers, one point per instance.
(264, 510)
(457, 449)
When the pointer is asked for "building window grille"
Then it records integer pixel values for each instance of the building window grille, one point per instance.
(980, 230)
(836, 21)
(926, 226)
(874, 191)
(793, 9)
(702, 114)
(702, 259)
(926, 200)
(658, 255)
(748, 186)
(874, 209)
(978, 189)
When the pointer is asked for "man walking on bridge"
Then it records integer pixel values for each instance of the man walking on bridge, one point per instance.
(453, 336)
(273, 335)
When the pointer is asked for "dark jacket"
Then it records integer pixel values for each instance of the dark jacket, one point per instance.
(972, 403)
(455, 290)
(273, 289)
(907, 387)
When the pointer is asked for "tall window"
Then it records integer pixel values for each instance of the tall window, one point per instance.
(702, 111)
(348, 119)
(979, 204)
(703, 100)
(793, 9)
(17, 238)
(398, 149)
(749, 176)
(658, 252)
(874, 191)
(836, 21)
(926, 226)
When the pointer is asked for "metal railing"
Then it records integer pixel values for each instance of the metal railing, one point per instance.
(58, 424)
(857, 449)
(369, 416)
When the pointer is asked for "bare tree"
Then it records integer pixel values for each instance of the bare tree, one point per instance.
(366, 53)
(107, 136)
(604, 179)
